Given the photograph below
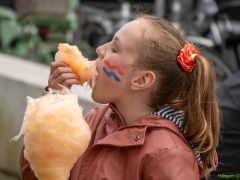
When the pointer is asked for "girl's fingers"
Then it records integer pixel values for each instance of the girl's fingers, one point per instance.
(61, 70)
(60, 73)
(56, 64)
(69, 82)
(65, 79)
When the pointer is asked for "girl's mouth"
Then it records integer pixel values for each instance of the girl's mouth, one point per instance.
(94, 77)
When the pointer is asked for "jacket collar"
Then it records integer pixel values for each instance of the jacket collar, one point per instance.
(136, 130)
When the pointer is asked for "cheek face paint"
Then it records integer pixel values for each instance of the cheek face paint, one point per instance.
(113, 71)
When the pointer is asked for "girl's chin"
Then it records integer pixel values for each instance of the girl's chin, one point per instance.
(99, 99)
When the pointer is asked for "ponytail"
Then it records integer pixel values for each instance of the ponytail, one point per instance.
(202, 113)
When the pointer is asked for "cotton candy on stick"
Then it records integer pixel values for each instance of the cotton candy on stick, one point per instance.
(56, 134)
(86, 70)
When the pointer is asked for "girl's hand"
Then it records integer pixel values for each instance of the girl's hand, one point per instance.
(61, 74)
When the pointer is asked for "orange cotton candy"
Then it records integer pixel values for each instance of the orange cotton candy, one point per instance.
(86, 70)
(56, 134)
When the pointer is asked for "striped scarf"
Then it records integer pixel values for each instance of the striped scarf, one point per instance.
(177, 117)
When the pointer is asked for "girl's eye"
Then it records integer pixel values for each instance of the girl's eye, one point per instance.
(113, 50)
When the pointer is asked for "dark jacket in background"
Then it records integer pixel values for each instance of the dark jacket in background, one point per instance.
(229, 146)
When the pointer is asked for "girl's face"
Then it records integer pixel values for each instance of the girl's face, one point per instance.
(116, 62)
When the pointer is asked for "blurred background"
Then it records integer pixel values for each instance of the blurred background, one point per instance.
(30, 31)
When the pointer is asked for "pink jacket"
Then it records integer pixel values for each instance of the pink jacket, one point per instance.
(150, 148)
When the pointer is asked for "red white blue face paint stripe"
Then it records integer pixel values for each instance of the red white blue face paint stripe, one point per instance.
(113, 71)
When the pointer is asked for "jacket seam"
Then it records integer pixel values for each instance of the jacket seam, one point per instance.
(172, 138)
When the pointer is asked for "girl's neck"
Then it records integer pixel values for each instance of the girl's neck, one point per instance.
(133, 110)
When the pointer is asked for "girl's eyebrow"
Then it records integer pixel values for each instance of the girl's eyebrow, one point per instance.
(118, 41)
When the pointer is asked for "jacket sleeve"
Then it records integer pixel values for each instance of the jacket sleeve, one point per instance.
(173, 164)
(25, 170)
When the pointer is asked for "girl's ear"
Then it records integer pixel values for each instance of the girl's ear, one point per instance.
(143, 80)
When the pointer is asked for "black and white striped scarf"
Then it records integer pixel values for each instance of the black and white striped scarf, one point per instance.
(176, 117)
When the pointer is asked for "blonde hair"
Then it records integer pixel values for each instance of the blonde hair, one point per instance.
(192, 92)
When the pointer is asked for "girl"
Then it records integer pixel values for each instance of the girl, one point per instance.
(162, 118)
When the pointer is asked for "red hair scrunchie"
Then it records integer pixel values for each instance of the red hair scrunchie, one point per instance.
(186, 57)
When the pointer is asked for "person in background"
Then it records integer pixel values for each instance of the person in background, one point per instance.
(229, 147)
(161, 120)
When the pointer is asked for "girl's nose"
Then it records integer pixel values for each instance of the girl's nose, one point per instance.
(100, 51)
